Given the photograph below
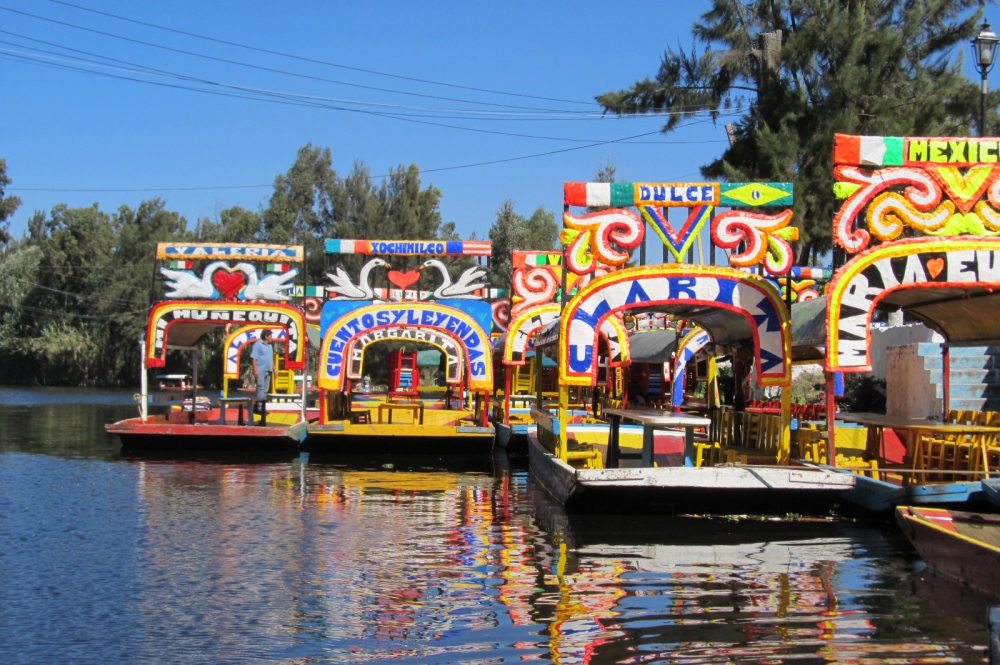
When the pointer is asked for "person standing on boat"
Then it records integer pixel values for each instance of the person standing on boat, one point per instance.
(262, 357)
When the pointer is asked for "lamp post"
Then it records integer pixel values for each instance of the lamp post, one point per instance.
(984, 47)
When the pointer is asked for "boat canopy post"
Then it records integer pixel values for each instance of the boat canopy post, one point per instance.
(785, 454)
(143, 381)
(537, 366)
(508, 383)
(945, 381)
(831, 418)
(563, 419)
(712, 400)
(305, 381)
(194, 385)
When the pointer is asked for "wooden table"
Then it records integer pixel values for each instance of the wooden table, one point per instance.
(916, 428)
(652, 419)
(416, 408)
(236, 401)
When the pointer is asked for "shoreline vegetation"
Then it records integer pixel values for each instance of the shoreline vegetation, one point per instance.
(76, 288)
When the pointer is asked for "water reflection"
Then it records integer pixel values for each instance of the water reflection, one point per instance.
(174, 561)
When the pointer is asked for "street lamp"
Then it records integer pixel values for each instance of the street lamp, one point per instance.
(984, 47)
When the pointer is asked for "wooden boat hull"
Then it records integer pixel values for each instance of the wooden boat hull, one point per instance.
(156, 433)
(879, 496)
(403, 439)
(991, 490)
(678, 489)
(504, 432)
(959, 545)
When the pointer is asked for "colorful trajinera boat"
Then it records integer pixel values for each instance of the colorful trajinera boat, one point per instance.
(421, 307)
(730, 459)
(243, 288)
(962, 546)
(919, 224)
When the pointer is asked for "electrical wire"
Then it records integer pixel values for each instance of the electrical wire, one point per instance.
(55, 312)
(308, 100)
(283, 98)
(319, 62)
(423, 171)
(492, 115)
(263, 68)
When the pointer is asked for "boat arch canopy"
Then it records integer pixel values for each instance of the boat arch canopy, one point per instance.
(452, 350)
(182, 323)
(950, 284)
(240, 337)
(688, 348)
(532, 322)
(731, 305)
(459, 327)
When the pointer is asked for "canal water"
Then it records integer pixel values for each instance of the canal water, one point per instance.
(111, 559)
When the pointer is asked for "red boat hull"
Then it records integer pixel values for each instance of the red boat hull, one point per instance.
(956, 544)
(156, 432)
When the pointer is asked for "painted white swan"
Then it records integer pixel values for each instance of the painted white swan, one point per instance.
(463, 287)
(186, 284)
(346, 289)
(268, 288)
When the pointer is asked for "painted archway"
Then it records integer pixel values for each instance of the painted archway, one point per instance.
(907, 270)
(453, 323)
(700, 290)
(527, 323)
(691, 344)
(355, 352)
(184, 322)
(240, 337)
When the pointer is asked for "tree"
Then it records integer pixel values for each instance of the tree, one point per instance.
(543, 230)
(508, 233)
(799, 71)
(311, 202)
(511, 231)
(8, 205)
(235, 224)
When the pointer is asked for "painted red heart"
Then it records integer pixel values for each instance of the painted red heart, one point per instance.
(404, 279)
(228, 283)
(935, 266)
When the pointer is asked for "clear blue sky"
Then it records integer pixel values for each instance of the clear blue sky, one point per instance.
(72, 130)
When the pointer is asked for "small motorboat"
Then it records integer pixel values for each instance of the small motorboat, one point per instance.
(963, 546)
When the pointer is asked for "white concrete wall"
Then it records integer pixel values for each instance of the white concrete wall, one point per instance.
(908, 387)
(885, 338)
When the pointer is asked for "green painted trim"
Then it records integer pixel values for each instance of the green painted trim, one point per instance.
(893, 151)
(728, 201)
(622, 194)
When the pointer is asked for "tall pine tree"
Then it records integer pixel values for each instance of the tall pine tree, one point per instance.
(801, 71)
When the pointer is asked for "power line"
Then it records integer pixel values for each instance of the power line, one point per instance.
(546, 114)
(81, 296)
(282, 98)
(623, 140)
(268, 95)
(54, 312)
(311, 99)
(320, 62)
(267, 69)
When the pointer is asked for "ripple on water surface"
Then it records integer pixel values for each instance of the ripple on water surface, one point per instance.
(137, 561)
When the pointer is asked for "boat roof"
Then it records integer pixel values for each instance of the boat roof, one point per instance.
(428, 358)
(809, 330)
(724, 326)
(963, 315)
(652, 346)
(548, 335)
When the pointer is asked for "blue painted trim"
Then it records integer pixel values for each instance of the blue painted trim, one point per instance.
(474, 430)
